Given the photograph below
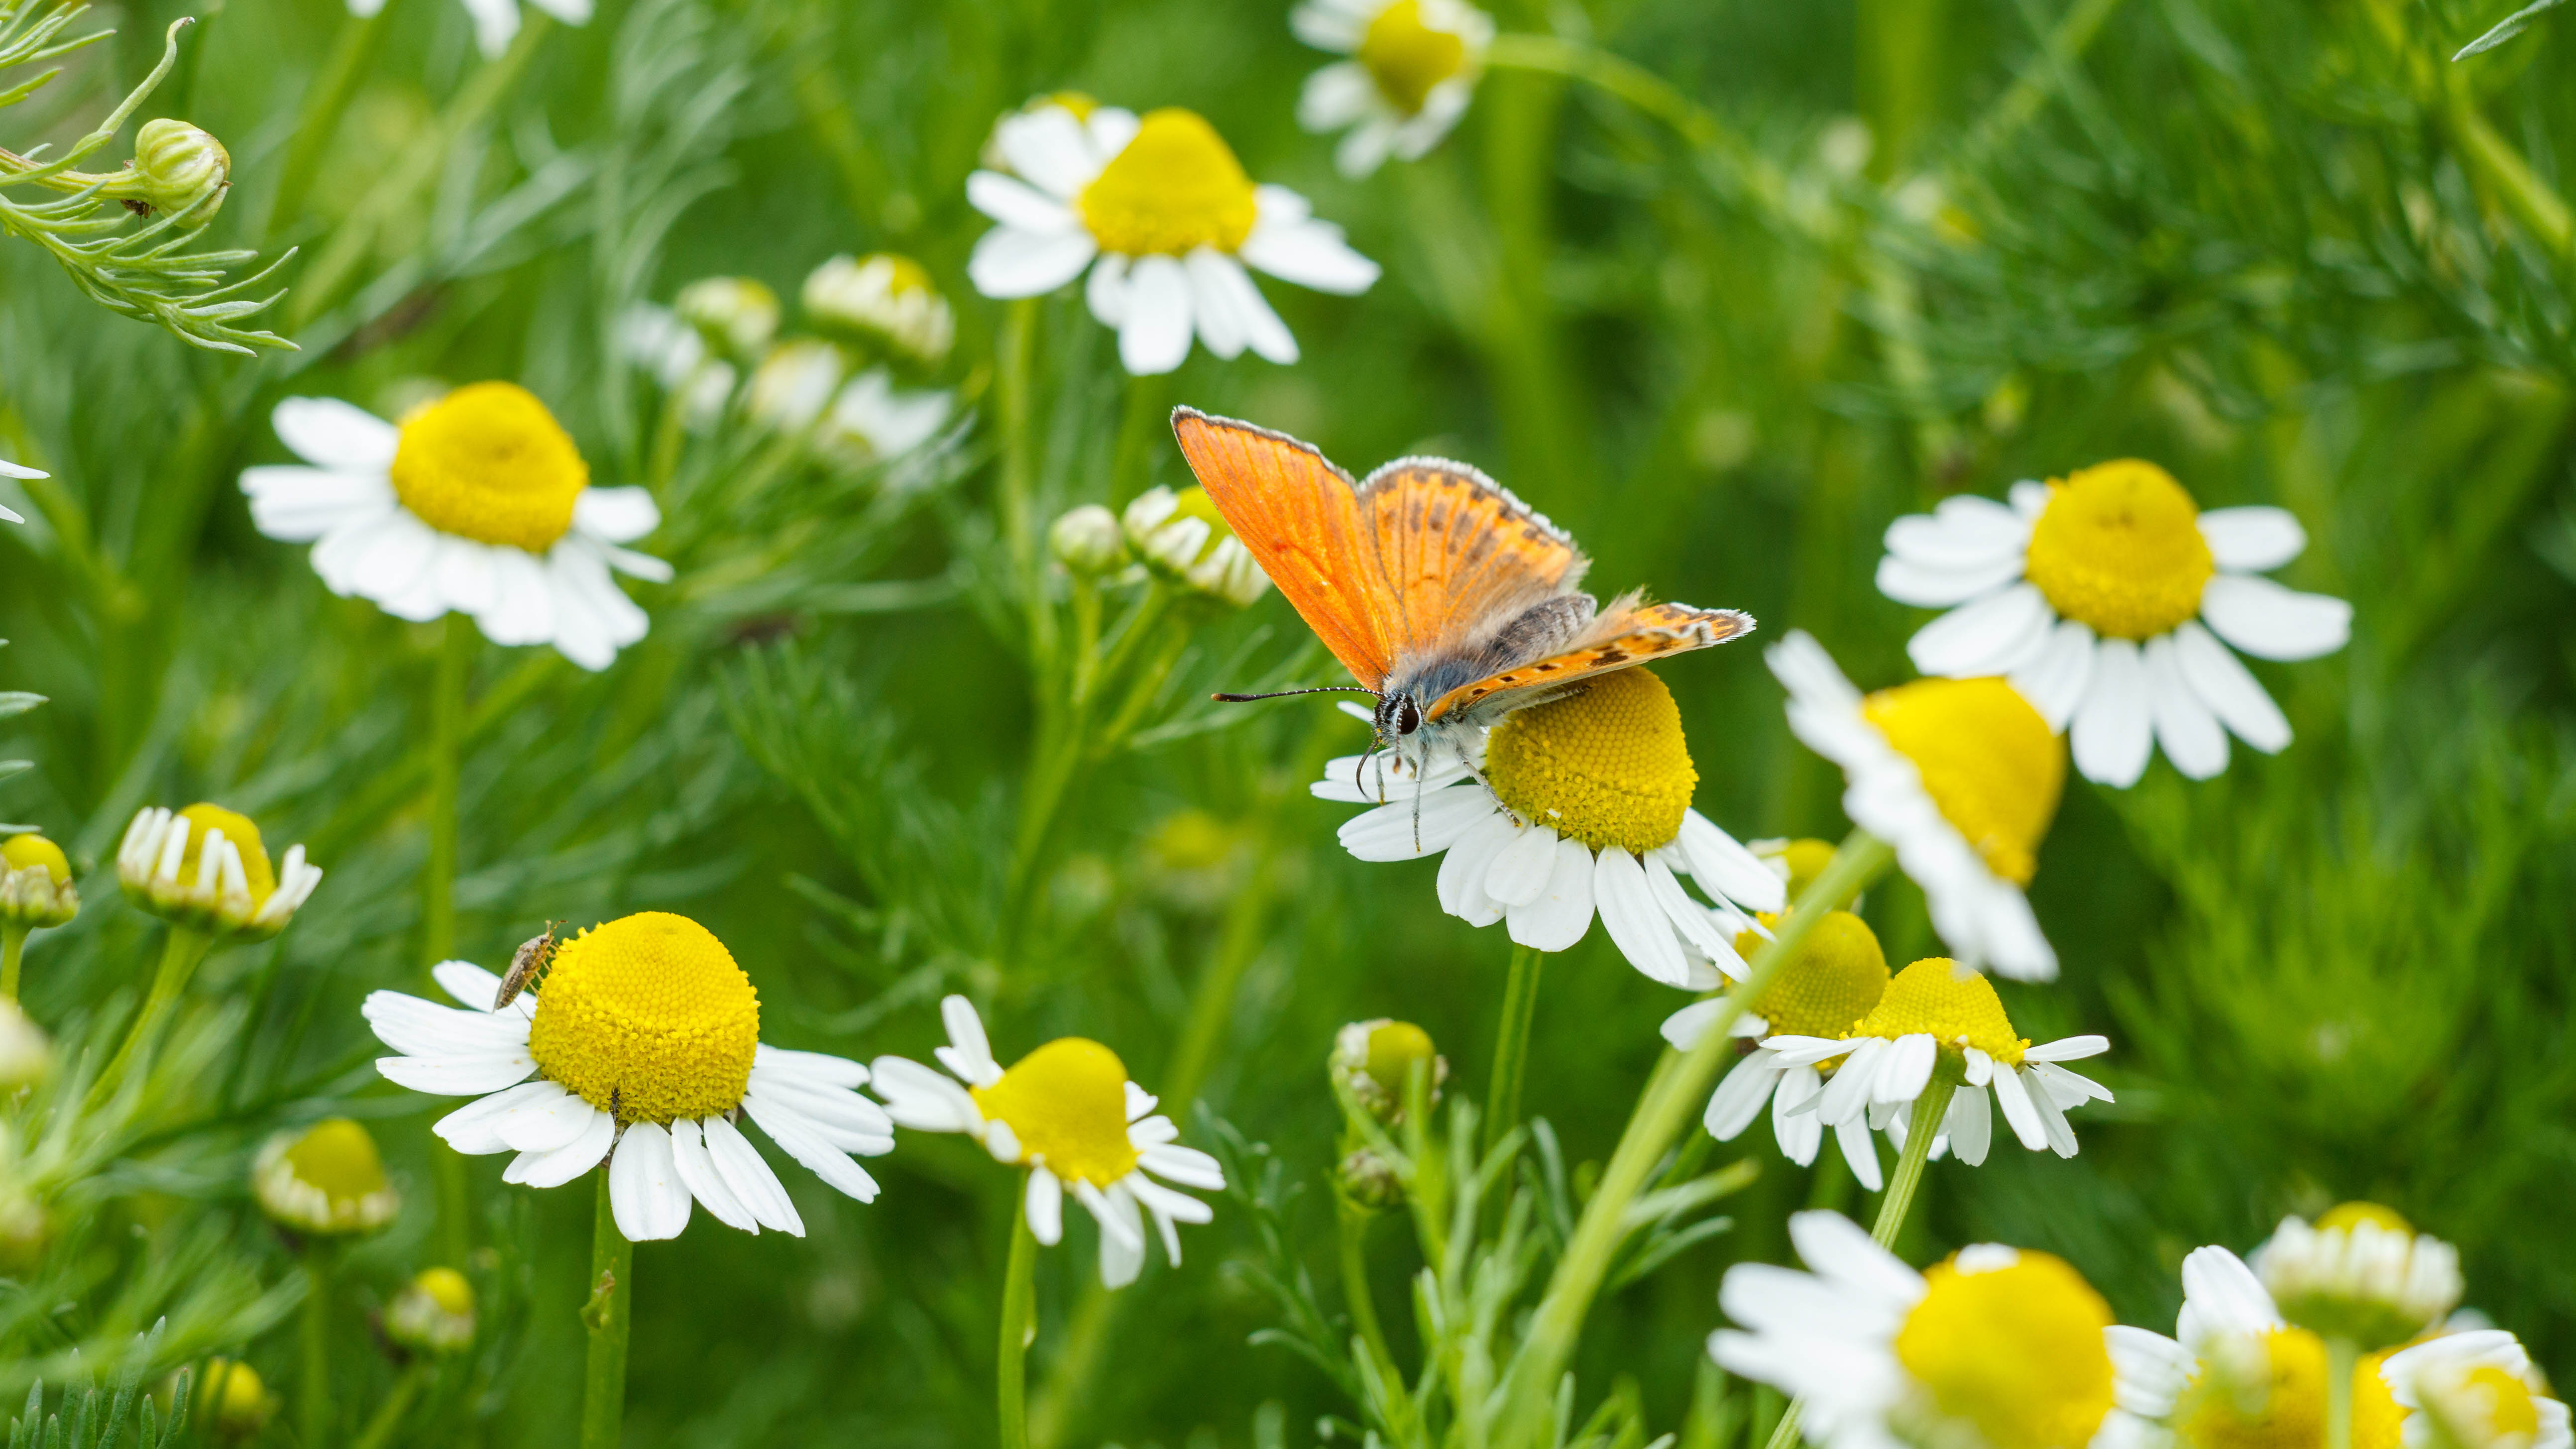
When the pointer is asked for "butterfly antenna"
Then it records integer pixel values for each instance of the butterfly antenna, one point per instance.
(1285, 693)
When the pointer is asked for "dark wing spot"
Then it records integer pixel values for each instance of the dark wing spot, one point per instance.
(1547, 669)
(1611, 656)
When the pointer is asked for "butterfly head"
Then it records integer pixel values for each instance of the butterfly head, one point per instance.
(1398, 717)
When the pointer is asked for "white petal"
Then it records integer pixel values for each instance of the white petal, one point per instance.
(616, 515)
(2069, 1049)
(2019, 1114)
(1794, 1124)
(1860, 1150)
(330, 433)
(1837, 1249)
(645, 1192)
(563, 1164)
(2186, 728)
(1045, 1207)
(819, 1068)
(1015, 203)
(1110, 129)
(1994, 635)
(1465, 869)
(1907, 1070)
(698, 1171)
(1635, 921)
(1563, 911)
(542, 1123)
(1155, 337)
(495, 23)
(2222, 1295)
(296, 504)
(1049, 148)
(1963, 532)
(469, 1129)
(2113, 734)
(1723, 867)
(1520, 871)
(1185, 1165)
(1336, 96)
(459, 1076)
(922, 1099)
(2271, 622)
(805, 1140)
(1850, 1090)
(749, 1178)
(467, 982)
(969, 1052)
(1928, 587)
(2224, 684)
(1106, 291)
(2054, 679)
(1220, 286)
(1970, 1124)
(1390, 832)
(1741, 1093)
(2252, 540)
(1307, 252)
(1009, 262)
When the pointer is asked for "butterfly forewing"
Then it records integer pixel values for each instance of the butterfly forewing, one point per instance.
(1459, 553)
(1626, 637)
(1299, 516)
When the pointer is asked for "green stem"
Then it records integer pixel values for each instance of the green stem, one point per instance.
(1511, 1043)
(388, 1416)
(1651, 94)
(1017, 347)
(325, 101)
(438, 888)
(313, 1391)
(179, 957)
(1355, 1287)
(2341, 1355)
(1131, 462)
(13, 944)
(607, 1316)
(1928, 1112)
(1019, 1322)
(1672, 1097)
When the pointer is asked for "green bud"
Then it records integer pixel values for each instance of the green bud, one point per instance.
(1375, 1060)
(736, 315)
(1088, 541)
(177, 168)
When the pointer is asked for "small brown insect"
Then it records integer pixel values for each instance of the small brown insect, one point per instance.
(526, 964)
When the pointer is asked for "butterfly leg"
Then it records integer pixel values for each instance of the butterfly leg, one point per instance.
(1478, 775)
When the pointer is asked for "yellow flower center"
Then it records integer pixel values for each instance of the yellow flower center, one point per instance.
(1988, 760)
(1408, 58)
(2350, 1215)
(489, 463)
(2119, 548)
(1067, 1103)
(647, 1017)
(2377, 1417)
(2281, 1406)
(1175, 187)
(23, 851)
(1931, 998)
(256, 871)
(338, 1157)
(2505, 1401)
(1838, 974)
(447, 1288)
(2016, 1351)
(1608, 766)
(232, 1395)
(1393, 1048)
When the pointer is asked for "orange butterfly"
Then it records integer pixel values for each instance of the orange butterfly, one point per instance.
(1444, 595)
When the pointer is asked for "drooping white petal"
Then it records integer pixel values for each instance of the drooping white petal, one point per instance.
(1015, 203)
(1465, 869)
(2186, 728)
(1010, 262)
(2271, 622)
(471, 1129)
(804, 1140)
(1389, 832)
(542, 1123)
(1635, 921)
(2055, 678)
(749, 1178)
(1044, 1204)
(329, 433)
(1307, 252)
(616, 515)
(2229, 689)
(2252, 540)
(1970, 1123)
(563, 1164)
(698, 1171)
(1723, 867)
(1155, 336)
(2019, 1114)
(1860, 1151)
(646, 1194)
(1741, 1093)
(1562, 913)
(2113, 727)
(1185, 1165)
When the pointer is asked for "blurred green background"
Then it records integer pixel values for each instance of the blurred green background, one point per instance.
(1927, 247)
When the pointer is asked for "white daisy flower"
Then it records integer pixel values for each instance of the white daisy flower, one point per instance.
(1161, 214)
(13, 470)
(2361, 1273)
(205, 868)
(478, 503)
(1996, 1346)
(1838, 975)
(2104, 597)
(1068, 1113)
(1934, 1009)
(639, 1046)
(1584, 809)
(496, 22)
(885, 300)
(1412, 71)
(2474, 1390)
(1961, 777)
(737, 316)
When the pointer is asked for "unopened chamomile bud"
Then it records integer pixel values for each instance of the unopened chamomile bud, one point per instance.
(1088, 541)
(1183, 537)
(231, 1401)
(1368, 1179)
(885, 300)
(434, 1313)
(325, 1181)
(177, 168)
(35, 883)
(1375, 1060)
(736, 315)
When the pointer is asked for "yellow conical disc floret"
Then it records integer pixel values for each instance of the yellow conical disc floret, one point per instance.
(1838, 974)
(2119, 548)
(2378, 1420)
(647, 1017)
(1608, 766)
(23, 852)
(2013, 1347)
(1175, 187)
(257, 873)
(1988, 760)
(2347, 1216)
(329, 1180)
(2277, 1401)
(1066, 1102)
(1408, 58)
(489, 463)
(1933, 998)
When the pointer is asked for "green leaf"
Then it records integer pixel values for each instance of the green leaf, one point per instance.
(2507, 28)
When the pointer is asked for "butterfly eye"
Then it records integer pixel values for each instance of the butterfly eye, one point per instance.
(1408, 716)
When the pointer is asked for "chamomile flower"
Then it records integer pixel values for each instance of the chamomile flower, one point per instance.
(1933, 1010)
(1588, 813)
(2360, 1272)
(13, 470)
(1837, 976)
(496, 22)
(1996, 1346)
(1961, 777)
(477, 503)
(1182, 537)
(1162, 215)
(885, 301)
(2473, 1390)
(433, 1314)
(640, 1046)
(1068, 1113)
(1412, 71)
(325, 1181)
(36, 887)
(2106, 596)
(204, 868)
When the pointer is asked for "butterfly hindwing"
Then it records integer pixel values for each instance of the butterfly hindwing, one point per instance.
(1302, 520)
(1623, 638)
(1460, 554)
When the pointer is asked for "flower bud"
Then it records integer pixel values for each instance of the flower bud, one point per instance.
(736, 315)
(326, 1181)
(2360, 1274)
(25, 1232)
(36, 883)
(1088, 541)
(26, 1054)
(177, 168)
(204, 868)
(1368, 1179)
(871, 422)
(1182, 537)
(1375, 1060)
(886, 301)
(434, 1313)
(794, 383)
(231, 1401)
(1798, 862)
